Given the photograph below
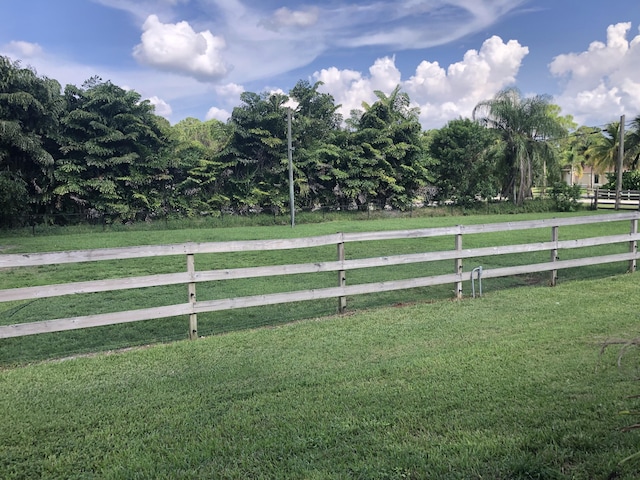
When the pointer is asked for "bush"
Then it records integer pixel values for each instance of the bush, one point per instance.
(566, 196)
(630, 180)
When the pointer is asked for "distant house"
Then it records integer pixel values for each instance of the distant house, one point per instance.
(588, 178)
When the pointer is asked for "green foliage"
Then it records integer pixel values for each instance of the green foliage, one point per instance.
(195, 172)
(525, 124)
(14, 199)
(566, 197)
(603, 152)
(115, 154)
(316, 136)
(385, 159)
(253, 162)
(465, 171)
(630, 180)
(30, 107)
(575, 149)
(98, 151)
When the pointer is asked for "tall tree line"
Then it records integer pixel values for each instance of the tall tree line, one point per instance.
(99, 151)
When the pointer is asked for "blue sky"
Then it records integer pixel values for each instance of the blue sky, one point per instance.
(195, 57)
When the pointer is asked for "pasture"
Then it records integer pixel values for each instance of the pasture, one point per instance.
(60, 344)
(508, 386)
(407, 384)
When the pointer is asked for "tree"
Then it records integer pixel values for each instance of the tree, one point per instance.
(632, 145)
(574, 150)
(315, 131)
(386, 159)
(195, 170)
(114, 153)
(30, 107)
(464, 168)
(254, 161)
(525, 126)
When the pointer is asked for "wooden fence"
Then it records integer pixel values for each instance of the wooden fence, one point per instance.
(191, 277)
(602, 198)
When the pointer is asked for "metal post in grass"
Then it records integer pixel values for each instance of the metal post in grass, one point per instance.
(458, 266)
(292, 205)
(342, 279)
(554, 255)
(633, 245)
(620, 163)
(290, 105)
(193, 317)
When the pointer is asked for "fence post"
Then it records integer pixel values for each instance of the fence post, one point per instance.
(633, 245)
(458, 265)
(342, 278)
(193, 317)
(554, 255)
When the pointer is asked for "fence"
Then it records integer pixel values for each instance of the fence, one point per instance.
(191, 277)
(602, 198)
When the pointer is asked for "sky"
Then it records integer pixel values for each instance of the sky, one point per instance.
(193, 58)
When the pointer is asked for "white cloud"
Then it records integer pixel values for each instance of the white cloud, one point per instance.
(285, 18)
(178, 48)
(231, 91)
(260, 42)
(447, 94)
(162, 108)
(601, 82)
(442, 94)
(416, 24)
(218, 114)
(350, 88)
(20, 49)
(141, 9)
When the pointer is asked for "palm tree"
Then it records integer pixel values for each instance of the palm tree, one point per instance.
(632, 144)
(603, 154)
(573, 152)
(525, 126)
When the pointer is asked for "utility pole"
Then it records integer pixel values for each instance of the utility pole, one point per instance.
(620, 163)
(292, 205)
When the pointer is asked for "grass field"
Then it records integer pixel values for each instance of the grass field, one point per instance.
(508, 386)
(20, 350)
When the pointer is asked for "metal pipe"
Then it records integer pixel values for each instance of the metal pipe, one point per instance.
(473, 285)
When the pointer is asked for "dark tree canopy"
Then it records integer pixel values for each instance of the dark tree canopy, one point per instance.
(99, 150)
(465, 169)
(113, 159)
(30, 107)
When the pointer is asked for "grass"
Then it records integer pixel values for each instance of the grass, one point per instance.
(509, 386)
(38, 347)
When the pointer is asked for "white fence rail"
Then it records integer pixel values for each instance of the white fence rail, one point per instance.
(191, 277)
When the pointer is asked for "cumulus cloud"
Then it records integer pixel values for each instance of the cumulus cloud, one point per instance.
(178, 48)
(601, 81)
(20, 49)
(259, 42)
(230, 92)
(442, 94)
(446, 94)
(217, 114)
(350, 88)
(162, 108)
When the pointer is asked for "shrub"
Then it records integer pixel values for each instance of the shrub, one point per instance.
(566, 196)
(630, 180)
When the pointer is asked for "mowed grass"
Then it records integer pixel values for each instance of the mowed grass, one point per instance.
(33, 348)
(508, 386)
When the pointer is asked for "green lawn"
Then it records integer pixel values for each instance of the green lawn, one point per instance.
(20, 350)
(508, 386)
